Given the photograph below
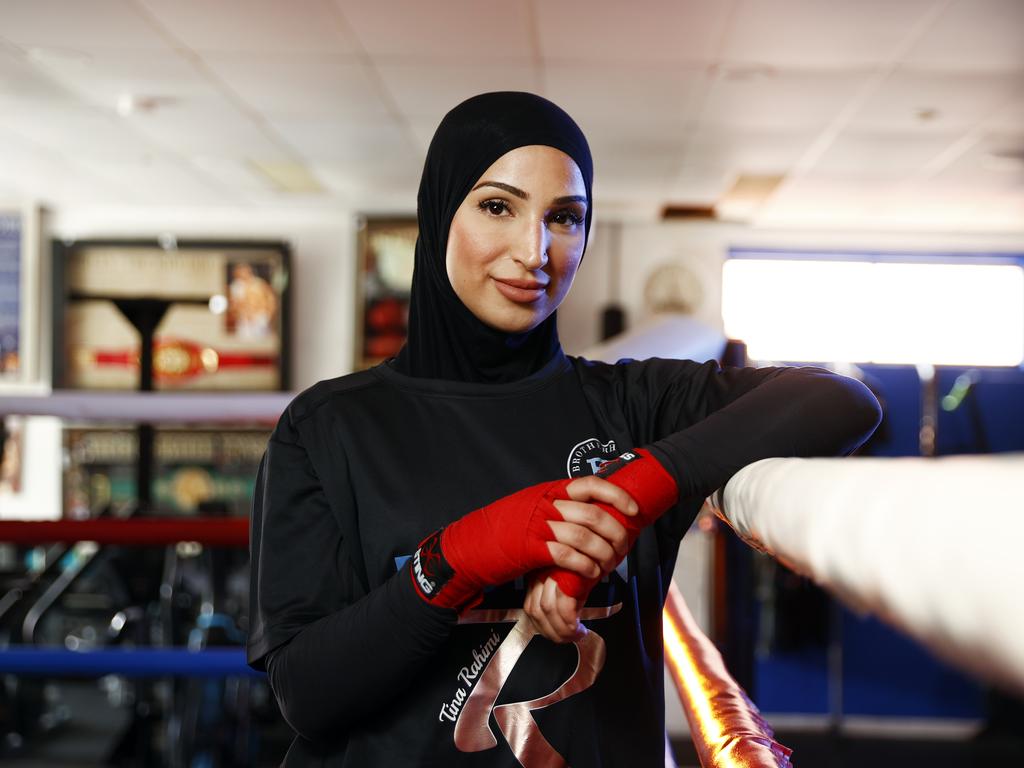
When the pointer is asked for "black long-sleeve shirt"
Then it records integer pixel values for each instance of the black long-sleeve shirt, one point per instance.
(361, 468)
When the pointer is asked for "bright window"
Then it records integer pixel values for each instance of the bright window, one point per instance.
(843, 310)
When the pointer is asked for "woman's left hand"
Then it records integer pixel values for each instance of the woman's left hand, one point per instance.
(553, 613)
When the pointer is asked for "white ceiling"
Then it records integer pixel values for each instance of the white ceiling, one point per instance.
(888, 113)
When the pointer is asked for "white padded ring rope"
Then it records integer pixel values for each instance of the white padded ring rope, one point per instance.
(932, 546)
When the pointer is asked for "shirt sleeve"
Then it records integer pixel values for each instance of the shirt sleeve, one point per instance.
(313, 627)
(709, 422)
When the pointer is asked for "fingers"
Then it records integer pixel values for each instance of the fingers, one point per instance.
(597, 520)
(593, 488)
(588, 543)
(571, 559)
(554, 614)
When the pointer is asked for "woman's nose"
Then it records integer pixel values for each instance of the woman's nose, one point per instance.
(534, 251)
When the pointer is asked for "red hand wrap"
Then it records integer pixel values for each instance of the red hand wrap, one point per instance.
(489, 546)
(653, 489)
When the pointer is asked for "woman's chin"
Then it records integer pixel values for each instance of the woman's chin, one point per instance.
(517, 320)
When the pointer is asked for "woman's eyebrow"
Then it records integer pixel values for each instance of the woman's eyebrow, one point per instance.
(570, 199)
(507, 187)
(522, 195)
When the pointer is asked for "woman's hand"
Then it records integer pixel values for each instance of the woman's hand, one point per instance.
(588, 540)
(553, 613)
(546, 525)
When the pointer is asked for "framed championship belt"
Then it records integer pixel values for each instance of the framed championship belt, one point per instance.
(216, 312)
(383, 284)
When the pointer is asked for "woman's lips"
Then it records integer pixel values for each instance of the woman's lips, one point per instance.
(520, 291)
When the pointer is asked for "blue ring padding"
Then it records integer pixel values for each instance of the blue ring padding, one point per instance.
(130, 662)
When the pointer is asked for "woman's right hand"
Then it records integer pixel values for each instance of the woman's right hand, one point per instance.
(588, 540)
(554, 525)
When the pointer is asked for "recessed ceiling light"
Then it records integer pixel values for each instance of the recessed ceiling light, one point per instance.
(138, 104)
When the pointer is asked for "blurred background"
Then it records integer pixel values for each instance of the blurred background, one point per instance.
(232, 184)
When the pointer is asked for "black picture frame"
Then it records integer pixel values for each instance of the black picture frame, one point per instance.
(65, 251)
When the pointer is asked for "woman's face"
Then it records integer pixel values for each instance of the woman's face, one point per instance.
(517, 239)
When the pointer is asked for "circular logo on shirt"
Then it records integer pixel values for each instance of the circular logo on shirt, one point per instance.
(588, 456)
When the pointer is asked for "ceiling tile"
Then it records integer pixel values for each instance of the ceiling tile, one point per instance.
(278, 84)
(784, 100)
(78, 131)
(994, 162)
(879, 156)
(366, 147)
(23, 86)
(48, 176)
(748, 152)
(297, 26)
(206, 126)
(613, 31)
(453, 28)
(425, 91)
(833, 34)
(948, 101)
(974, 35)
(624, 95)
(105, 76)
(158, 180)
(73, 25)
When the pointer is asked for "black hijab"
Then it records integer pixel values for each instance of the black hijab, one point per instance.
(446, 340)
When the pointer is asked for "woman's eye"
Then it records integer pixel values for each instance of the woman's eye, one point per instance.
(567, 218)
(494, 207)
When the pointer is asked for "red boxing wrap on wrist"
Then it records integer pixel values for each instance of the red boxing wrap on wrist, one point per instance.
(489, 546)
(653, 489)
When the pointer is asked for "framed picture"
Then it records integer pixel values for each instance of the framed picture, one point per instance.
(193, 468)
(217, 314)
(383, 284)
(19, 293)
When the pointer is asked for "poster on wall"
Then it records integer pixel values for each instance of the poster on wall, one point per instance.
(383, 285)
(218, 314)
(18, 308)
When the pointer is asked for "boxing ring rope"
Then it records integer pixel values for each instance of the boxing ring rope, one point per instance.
(929, 545)
(140, 531)
(129, 662)
(726, 728)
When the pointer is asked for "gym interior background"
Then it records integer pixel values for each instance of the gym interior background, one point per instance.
(235, 183)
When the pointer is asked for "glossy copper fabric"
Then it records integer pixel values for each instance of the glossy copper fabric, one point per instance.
(727, 729)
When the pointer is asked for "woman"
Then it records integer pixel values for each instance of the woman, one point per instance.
(437, 572)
